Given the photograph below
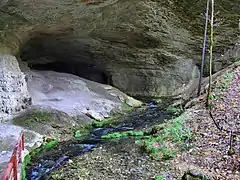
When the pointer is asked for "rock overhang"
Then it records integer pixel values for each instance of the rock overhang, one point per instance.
(142, 45)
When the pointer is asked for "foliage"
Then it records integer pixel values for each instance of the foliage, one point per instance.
(81, 131)
(176, 130)
(102, 123)
(25, 162)
(175, 110)
(56, 176)
(157, 145)
(122, 134)
(221, 84)
(46, 145)
(78, 134)
(167, 153)
(229, 76)
(85, 130)
(159, 178)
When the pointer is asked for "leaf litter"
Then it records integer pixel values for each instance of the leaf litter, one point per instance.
(210, 152)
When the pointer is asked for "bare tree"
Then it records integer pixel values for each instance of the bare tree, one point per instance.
(211, 54)
(203, 49)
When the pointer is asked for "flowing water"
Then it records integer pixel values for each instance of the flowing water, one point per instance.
(45, 163)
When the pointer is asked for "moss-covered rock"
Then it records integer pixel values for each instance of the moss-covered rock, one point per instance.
(50, 123)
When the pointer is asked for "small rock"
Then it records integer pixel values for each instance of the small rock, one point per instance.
(121, 98)
(107, 87)
(95, 115)
(195, 175)
(133, 102)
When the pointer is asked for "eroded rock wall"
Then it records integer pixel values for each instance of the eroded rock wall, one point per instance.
(149, 47)
(13, 88)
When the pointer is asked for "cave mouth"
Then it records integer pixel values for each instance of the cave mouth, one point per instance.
(64, 54)
(81, 69)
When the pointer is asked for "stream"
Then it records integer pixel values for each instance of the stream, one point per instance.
(43, 164)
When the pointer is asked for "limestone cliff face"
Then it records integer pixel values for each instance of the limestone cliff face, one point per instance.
(148, 47)
(13, 92)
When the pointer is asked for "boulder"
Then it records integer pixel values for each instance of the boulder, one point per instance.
(48, 122)
(74, 95)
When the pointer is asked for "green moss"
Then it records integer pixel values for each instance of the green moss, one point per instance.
(175, 110)
(167, 153)
(157, 144)
(56, 176)
(26, 161)
(78, 134)
(50, 144)
(223, 83)
(98, 123)
(159, 178)
(122, 134)
(47, 145)
(28, 120)
(102, 123)
(126, 107)
(81, 131)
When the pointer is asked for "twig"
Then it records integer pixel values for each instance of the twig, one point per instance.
(231, 150)
(216, 124)
(235, 133)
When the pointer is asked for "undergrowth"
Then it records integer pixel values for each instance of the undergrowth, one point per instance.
(46, 145)
(223, 83)
(81, 131)
(122, 134)
(159, 178)
(102, 123)
(166, 140)
(175, 110)
(219, 86)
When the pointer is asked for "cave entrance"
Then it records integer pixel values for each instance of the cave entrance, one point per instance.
(64, 54)
(81, 69)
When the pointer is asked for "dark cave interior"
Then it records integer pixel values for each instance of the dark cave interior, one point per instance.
(87, 71)
(63, 54)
